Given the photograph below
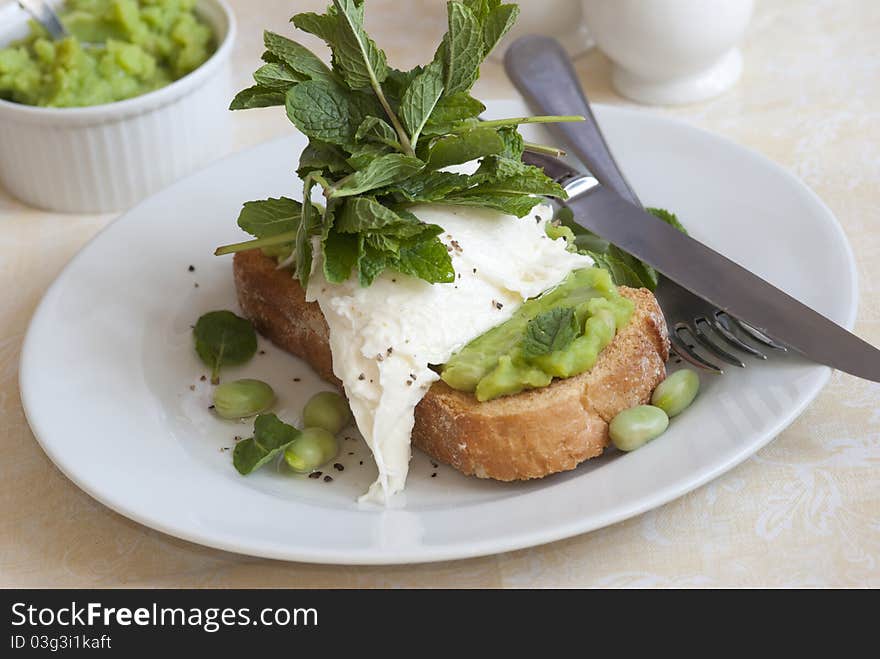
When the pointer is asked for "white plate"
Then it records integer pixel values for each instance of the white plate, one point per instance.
(108, 364)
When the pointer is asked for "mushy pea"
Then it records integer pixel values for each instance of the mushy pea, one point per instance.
(586, 307)
(118, 49)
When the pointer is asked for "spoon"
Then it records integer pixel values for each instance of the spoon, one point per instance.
(44, 15)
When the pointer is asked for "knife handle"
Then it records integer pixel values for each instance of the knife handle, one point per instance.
(542, 71)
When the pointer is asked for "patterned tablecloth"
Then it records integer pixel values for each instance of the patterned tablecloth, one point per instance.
(805, 511)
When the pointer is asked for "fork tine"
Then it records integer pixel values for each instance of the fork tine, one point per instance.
(733, 340)
(689, 355)
(705, 341)
(757, 335)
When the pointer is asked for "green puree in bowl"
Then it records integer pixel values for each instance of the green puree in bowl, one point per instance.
(118, 49)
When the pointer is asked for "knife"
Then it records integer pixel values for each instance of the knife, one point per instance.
(691, 264)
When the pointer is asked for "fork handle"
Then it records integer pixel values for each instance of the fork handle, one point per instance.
(542, 71)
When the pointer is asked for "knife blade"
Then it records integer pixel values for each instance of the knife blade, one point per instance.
(721, 281)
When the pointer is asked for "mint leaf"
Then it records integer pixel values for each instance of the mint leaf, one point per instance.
(430, 186)
(309, 226)
(550, 331)
(322, 26)
(298, 57)
(374, 129)
(420, 99)
(271, 437)
(340, 256)
(270, 217)
(502, 176)
(277, 76)
(453, 108)
(497, 24)
(324, 111)
(668, 217)
(481, 8)
(269, 58)
(426, 259)
(397, 82)
(357, 58)
(625, 270)
(513, 144)
(382, 171)
(365, 153)
(519, 206)
(464, 147)
(366, 215)
(323, 157)
(223, 339)
(257, 97)
(383, 242)
(463, 48)
(377, 131)
(371, 262)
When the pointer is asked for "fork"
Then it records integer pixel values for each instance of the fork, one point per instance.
(541, 70)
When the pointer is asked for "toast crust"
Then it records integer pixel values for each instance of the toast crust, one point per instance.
(529, 435)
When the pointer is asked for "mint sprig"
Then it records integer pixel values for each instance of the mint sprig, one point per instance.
(379, 139)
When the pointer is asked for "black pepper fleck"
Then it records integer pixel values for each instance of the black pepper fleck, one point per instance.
(192, 268)
(192, 387)
(328, 479)
(262, 352)
(315, 474)
(338, 467)
(237, 438)
(297, 379)
(434, 475)
(390, 350)
(475, 271)
(211, 407)
(433, 464)
(362, 377)
(203, 378)
(351, 452)
(361, 462)
(196, 285)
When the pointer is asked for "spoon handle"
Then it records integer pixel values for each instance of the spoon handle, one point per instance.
(45, 16)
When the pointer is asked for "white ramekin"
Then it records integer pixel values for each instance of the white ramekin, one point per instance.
(670, 52)
(108, 157)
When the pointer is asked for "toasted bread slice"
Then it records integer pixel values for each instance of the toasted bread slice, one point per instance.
(528, 435)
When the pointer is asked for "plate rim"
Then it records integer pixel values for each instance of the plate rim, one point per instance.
(459, 550)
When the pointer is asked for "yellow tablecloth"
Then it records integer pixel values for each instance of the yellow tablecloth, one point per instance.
(805, 511)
